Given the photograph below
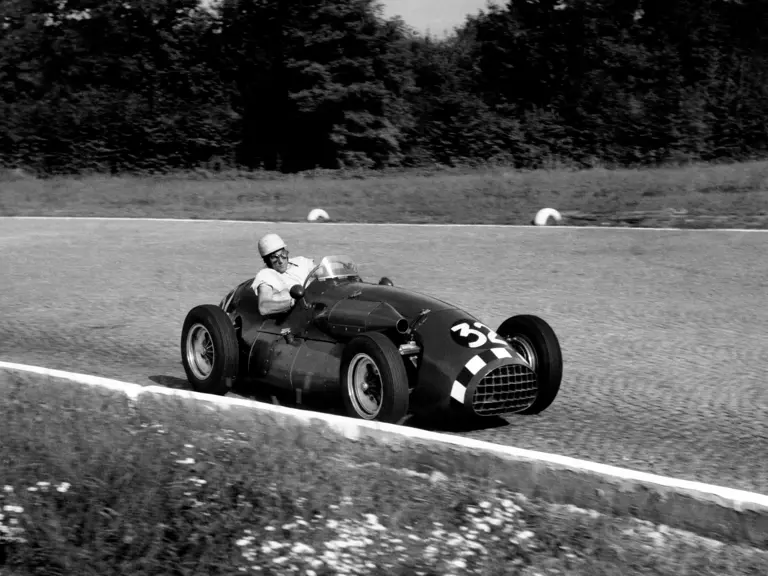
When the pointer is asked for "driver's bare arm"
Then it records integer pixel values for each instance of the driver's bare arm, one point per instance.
(272, 301)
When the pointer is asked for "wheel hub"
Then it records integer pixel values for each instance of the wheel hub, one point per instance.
(524, 347)
(200, 351)
(364, 386)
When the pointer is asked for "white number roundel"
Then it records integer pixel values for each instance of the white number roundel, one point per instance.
(476, 335)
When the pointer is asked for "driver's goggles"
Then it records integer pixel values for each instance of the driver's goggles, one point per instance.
(282, 255)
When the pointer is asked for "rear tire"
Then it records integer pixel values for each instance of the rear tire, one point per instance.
(209, 350)
(532, 336)
(373, 378)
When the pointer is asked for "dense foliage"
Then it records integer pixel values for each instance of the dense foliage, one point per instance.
(290, 85)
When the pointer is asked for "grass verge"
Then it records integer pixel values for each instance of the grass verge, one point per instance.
(91, 485)
(731, 195)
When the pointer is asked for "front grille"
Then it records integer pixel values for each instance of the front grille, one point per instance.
(509, 388)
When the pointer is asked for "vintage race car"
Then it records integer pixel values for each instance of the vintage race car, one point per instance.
(385, 350)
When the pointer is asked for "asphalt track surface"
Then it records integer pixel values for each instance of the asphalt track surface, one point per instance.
(663, 333)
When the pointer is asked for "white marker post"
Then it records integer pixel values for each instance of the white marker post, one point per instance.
(318, 214)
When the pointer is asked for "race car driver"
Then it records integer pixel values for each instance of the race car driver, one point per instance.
(273, 283)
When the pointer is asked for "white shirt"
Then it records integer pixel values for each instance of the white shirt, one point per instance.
(297, 272)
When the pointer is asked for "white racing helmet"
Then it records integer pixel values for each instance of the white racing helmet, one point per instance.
(270, 243)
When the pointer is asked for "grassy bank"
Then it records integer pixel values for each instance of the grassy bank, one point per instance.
(90, 486)
(693, 196)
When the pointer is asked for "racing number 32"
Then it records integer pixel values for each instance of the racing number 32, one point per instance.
(466, 335)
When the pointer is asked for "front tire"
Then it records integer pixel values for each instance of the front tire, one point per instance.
(209, 350)
(374, 381)
(535, 341)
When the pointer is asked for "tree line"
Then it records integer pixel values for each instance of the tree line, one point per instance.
(291, 85)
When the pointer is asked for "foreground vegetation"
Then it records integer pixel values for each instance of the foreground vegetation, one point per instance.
(727, 195)
(90, 485)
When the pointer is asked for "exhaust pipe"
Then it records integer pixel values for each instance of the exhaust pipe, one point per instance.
(348, 317)
(385, 316)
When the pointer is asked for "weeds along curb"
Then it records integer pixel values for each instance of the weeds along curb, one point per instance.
(712, 511)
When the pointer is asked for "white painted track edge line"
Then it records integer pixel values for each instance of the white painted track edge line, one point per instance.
(132, 390)
(740, 497)
(395, 224)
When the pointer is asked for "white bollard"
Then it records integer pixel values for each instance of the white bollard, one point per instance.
(318, 214)
(543, 216)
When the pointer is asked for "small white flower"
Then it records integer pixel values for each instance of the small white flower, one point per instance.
(188, 446)
(13, 509)
(472, 509)
(186, 461)
(300, 548)
(509, 504)
(459, 563)
(243, 542)
(455, 541)
(63, 487)
(7, 489)
(43, 484)
(485, 505)
(431, 551)
(32, 489)
(476, 546)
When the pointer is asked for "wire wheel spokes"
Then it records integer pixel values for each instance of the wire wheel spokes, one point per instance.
(200, 351)
(365, 386)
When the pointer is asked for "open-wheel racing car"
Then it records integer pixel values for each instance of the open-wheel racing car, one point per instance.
(385, 350)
